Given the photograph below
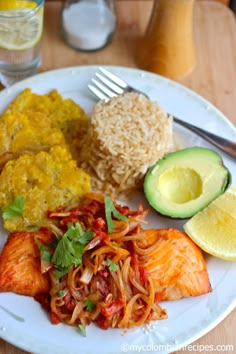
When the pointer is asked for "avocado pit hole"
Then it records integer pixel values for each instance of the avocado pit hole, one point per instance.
(180, 185)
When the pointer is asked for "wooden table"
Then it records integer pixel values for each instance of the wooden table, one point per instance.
(214, 78)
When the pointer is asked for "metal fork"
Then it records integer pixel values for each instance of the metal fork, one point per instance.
(107, 85)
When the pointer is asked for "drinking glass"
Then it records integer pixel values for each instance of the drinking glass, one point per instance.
(88, 25)
(21, 27)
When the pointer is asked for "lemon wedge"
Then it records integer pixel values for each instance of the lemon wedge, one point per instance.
(19, 28)
(214, 228)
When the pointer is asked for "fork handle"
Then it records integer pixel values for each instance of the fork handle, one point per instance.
(225, 145)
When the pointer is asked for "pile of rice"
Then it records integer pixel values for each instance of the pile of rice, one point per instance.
(126, 135)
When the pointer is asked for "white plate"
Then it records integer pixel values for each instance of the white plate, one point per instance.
(189, 318)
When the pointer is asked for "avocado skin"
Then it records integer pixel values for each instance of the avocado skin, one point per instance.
(204, 165)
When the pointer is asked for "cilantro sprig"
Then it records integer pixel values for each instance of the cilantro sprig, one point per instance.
(82, 330)
(70, 248)
(111, 210)
(60, 294)
(90, 305)
(15, 208)
(46, 250)
(113, 267)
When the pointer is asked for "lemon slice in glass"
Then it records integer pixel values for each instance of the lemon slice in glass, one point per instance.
(16, 4)
(20, 27)
(214, 228)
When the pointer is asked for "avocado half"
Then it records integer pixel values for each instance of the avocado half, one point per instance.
(186, 181)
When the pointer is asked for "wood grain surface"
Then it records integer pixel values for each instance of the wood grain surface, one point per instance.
(214, 77)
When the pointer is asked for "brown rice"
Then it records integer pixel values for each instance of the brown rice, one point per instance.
(125, 137)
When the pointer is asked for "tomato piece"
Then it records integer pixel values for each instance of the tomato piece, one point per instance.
(143, 274)
(69, 302)
(102, 322)
(102, 235)
(54, 318)
(112, 308)
(103, 272)
(99, 224)
(44, 300)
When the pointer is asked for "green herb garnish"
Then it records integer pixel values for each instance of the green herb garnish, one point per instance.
(90, 305)
(82, 329)
(46, 256)
(113, 267)
(59, 273)
(70, 248)
(109, 210)
(14, 209)
(40, 246)
(115, 244)
(46, 250)
(60, 293)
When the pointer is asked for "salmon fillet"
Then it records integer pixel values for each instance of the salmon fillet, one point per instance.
(176, 264)
(20, 266)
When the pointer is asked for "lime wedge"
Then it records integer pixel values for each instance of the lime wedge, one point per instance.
(19, 30)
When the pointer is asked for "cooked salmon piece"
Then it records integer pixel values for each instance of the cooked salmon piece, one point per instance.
(20, 266)
(176, 264)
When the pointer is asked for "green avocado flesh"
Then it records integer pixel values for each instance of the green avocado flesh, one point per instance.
(186, 181)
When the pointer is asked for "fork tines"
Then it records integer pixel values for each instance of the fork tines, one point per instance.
(106, 85)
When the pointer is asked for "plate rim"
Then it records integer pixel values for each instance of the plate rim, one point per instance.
(41, 76)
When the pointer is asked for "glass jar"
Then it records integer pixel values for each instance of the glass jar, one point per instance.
(88, 25)
(167, 47)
